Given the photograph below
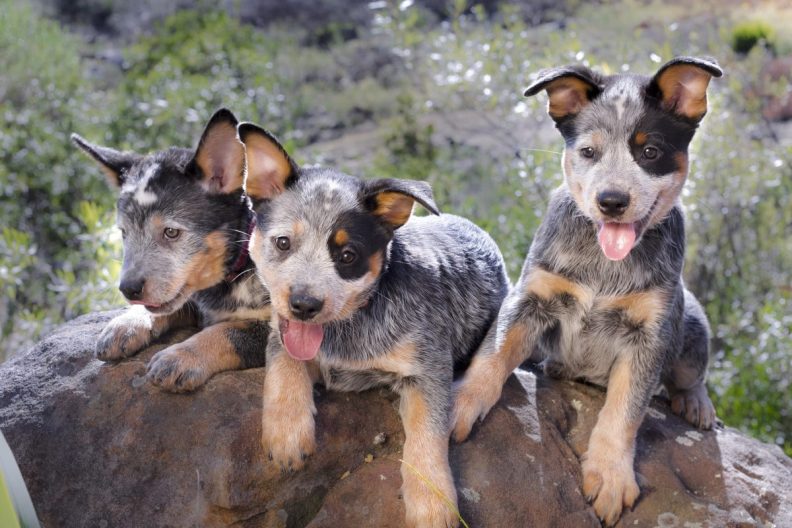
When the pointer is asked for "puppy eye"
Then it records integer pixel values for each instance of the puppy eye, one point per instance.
(348, 256)
(123, 232)
(587, 152)
(171, 233)
(650, 153)
(283, 243)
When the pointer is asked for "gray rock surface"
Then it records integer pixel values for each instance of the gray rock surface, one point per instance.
(99, 446)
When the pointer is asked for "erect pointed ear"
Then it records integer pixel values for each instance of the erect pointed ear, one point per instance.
(681, 85)
(114, 163)
(220, 158)
(570, 89)
(269, 169)
(392, 200)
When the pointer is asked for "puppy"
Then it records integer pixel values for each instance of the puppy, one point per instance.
(362, 298)
(185, 222)
(601, 296)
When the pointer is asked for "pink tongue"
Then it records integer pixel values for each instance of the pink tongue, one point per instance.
(302, 340)
(616, 240)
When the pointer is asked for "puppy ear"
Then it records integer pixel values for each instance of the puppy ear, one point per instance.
(114, 163)
(269, 169)
(220, 157)
(681, 85)
(392, 200)
(570, 89)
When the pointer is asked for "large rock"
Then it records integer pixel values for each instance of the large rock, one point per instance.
(100, 447)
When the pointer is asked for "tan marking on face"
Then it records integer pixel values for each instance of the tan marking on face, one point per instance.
(341, 237)
(393, 207)
(207, 268)
(425, 458)
(288, 429)
(568, 95)
(157, 221)
(222, 156)
(298, 228)
(645, 307)
(548, 285)
(375, 264)
(640, 138)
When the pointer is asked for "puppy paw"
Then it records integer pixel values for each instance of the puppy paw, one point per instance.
(695, 406)
(123, 337)
(288, 437)
(609, 481)
(177, 369)
(472, 401)
(424, 507)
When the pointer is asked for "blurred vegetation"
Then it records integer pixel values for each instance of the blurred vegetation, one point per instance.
(437, 100)
(748, 34)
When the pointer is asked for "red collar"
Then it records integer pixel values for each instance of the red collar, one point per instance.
(244, 255)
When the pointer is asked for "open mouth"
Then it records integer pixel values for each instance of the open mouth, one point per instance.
(301, 340)
(616, 239)
(167, 306)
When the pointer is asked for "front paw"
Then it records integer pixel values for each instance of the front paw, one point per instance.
(695, 406)
(177, 369)
(124, 336)
(609, 481)
(473, 399)
(429, 505)
(288, 438)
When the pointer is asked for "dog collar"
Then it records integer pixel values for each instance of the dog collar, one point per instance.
(244, 255)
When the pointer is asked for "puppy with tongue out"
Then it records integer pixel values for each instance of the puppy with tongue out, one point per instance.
(363, 295)
(601, 296)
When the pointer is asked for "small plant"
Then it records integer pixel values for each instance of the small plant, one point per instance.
(748, 34)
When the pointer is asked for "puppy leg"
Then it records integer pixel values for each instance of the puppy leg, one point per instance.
(608, 474)
(135, 329)
(685, 377)
(224, 346)
(287, 419)
(428, 488)
(533, 307)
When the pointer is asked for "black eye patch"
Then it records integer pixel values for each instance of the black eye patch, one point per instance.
(669, 135)
(363, 234)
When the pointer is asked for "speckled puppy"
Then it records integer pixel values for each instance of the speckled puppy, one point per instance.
(185, 221)
(362, 298)
(601, 297)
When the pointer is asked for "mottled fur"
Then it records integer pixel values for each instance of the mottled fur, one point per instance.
(185, 221)
(625, 324)
(412, 306)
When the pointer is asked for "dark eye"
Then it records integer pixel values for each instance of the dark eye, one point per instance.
(587, 152)
(283, 243)
(348, 256)
(123, 232)
(650, 153)
(171, 233)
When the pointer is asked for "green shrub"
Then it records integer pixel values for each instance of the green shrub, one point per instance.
(746, 35)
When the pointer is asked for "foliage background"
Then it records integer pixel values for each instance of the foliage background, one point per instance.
(415, 90)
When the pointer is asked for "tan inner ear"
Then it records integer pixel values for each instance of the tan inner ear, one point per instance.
(221, 157)
(684, 90)
(568, 96)
(393, 207)
(268, 168)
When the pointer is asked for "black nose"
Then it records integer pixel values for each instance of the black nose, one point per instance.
(613, 203)
(304, 306)
(132, 288)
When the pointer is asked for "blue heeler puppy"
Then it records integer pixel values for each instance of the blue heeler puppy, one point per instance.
(361, 298)
(185, 221)
(601, 297)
